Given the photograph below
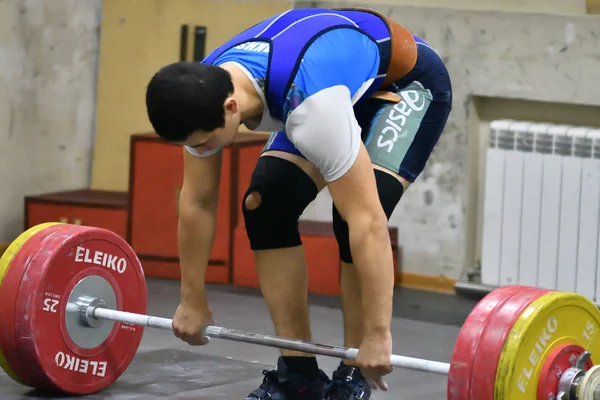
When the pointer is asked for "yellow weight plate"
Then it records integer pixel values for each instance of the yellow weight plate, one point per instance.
(551, 320)
(5, 261)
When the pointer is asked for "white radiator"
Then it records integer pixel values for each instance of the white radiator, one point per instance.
(541, 213)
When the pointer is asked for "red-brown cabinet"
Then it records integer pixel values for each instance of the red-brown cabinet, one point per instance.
(147, 215)
(99, 208)
(156, 174)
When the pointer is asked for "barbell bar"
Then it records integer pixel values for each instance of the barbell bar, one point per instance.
(98, 311)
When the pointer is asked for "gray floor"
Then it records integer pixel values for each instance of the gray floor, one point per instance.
(425, 325)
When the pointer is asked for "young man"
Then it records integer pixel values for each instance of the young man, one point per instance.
(357, 104)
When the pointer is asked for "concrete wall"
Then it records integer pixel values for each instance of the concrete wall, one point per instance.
(48, 58)
(502, 65)
(541, 6)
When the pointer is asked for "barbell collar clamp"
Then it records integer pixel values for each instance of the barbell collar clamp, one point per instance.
(85, 306)
(582, 360)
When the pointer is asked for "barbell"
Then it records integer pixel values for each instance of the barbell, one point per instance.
(73, 304)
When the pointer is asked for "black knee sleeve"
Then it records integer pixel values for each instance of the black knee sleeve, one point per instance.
(390, 191)
(285, 191)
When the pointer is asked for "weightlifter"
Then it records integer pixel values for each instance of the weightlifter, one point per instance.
(356, 104)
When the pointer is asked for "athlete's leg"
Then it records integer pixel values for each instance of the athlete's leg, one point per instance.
(282, 185)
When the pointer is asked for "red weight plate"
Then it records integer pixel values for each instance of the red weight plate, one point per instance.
(8, 299)
(559, 360)
(470, 339)
(44, 341)
(492, 341)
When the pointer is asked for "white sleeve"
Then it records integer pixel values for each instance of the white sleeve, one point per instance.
(324, 129)
(195, 153)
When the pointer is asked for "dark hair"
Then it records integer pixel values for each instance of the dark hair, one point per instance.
(184, 97)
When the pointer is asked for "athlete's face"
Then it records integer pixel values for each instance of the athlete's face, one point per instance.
(204, 142)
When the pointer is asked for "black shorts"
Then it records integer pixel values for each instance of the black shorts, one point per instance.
(401, 136)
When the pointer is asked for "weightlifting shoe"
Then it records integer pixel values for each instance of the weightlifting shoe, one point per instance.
(348, 383)
(279, 385)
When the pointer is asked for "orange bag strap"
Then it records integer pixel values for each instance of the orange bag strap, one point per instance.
(403, 48)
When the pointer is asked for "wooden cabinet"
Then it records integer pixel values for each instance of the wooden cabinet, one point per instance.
(147, 216)
(156, 174)
(156, 177)
(99, 208)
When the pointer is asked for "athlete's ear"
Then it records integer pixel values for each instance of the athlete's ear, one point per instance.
(230, 105)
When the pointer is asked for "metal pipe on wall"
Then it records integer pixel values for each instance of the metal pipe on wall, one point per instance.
(471, 289)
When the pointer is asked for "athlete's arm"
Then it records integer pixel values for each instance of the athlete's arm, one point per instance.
(355, 196)
(198, 205)
(325, 130)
